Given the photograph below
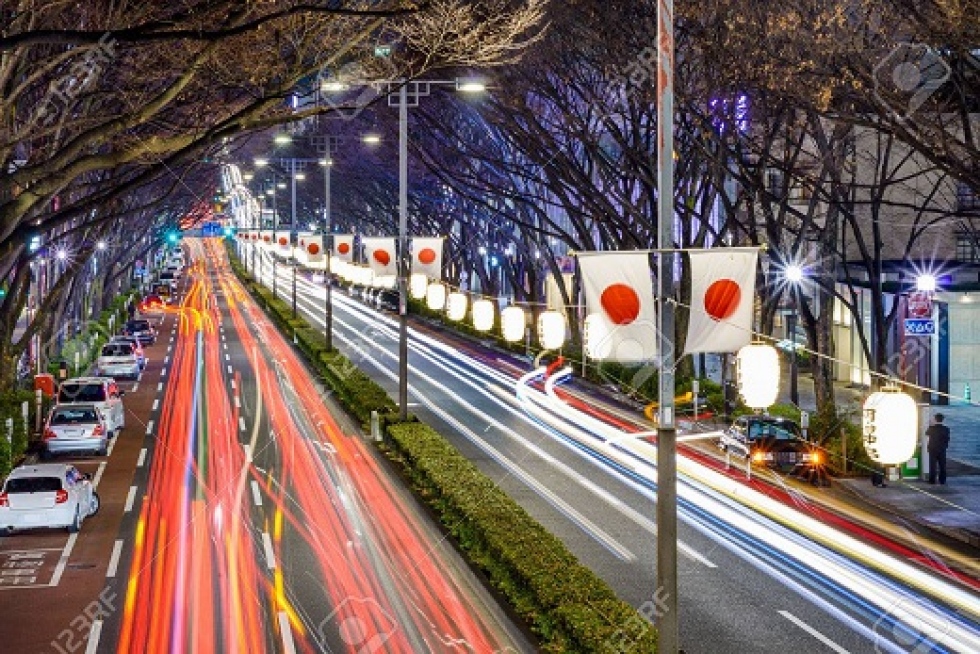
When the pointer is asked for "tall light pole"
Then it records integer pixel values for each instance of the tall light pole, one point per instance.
(327, 162)
(794, 275)
(668, 623)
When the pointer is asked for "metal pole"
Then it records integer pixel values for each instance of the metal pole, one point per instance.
(403, 251)
(328, 307)
(275, 234)
(292, 224)
(794, 390)
(667, 622)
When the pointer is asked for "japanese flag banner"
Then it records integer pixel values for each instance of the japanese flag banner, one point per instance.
(380, 253)
(722, 292)
(621, 325)
(267, 238)
(343, 246)
(313, 247)
(283, 242)
(427, 256)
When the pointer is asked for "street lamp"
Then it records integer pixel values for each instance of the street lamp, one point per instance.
(327, 164)
(409, 94)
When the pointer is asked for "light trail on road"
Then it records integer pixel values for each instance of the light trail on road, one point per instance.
(331, 559)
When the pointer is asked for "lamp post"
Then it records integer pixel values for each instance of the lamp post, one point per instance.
(794, 275)
(327, 162)
(409, 92)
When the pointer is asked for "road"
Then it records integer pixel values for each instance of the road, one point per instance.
(755, 574)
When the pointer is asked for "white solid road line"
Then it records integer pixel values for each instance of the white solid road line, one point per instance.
(63, 561)
(149, 428)
(112, 445)
(256, 493)
(288, 646)
(94, 634)
(114, 559)
(813, 632)
(98, 475)
(142, 458)
(270, 555)
(130, 498)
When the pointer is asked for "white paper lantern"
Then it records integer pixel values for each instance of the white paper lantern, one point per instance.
(595, 333)
(551, 330)
(758, 375)
(483, 315)
(890, 426)
(435, 297)
(456, 306)
(418, 284)
(512, 323)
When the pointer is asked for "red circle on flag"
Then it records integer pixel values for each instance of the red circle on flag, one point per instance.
(382, 257)
(313, 248)
(267, 238)
(427, 256)
(621, 303)
(722, 299)
(283, 240)
(343, 248)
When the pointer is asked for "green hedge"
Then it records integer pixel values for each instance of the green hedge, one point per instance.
(13, 446)
(566, 604)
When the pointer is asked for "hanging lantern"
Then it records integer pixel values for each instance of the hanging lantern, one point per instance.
(595, 333)
(758, 375)
(551, 330)
(435, 297)
(890, 426)
(456, 306)
(483, 315)
(418, 284)
(512, 323)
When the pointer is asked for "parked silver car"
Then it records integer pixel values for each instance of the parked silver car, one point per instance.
(76, 428)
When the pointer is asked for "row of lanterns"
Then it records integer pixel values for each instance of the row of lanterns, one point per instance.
(889, 422)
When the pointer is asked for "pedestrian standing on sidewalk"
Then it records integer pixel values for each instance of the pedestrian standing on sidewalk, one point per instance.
(938, 434)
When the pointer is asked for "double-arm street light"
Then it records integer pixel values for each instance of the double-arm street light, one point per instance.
(404, 94)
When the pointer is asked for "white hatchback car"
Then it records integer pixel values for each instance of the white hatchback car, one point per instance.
(75, 428)
(118, 360)
(49, 495)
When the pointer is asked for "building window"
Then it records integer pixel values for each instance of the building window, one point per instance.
(966, 199)
(966, 248)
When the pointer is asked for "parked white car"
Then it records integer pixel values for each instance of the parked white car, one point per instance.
(75, 428)
(103, 392)
(137, 346)
(46, 496)
(118, 360)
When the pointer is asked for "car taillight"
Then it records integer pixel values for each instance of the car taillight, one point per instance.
(61, 496)
(4, 500)
(98, 430)
(49, 434)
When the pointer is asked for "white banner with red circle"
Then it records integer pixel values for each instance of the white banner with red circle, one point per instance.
(427, 256)
(722, 295)
(380, 253)
(619, 298)
(312, 245)
(343, 247)
(283, 243)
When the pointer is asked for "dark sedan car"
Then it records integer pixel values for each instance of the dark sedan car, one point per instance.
(141, 329)
(769, 441)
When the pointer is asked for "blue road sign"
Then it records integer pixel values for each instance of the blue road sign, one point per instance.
(920, 327)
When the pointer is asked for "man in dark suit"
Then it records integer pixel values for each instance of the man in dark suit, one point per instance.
(938, 434)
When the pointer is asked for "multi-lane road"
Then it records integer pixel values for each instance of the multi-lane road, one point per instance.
(761, 568)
